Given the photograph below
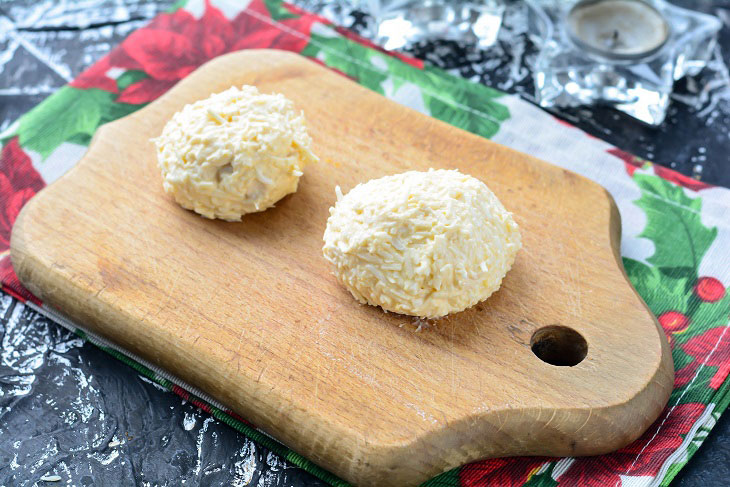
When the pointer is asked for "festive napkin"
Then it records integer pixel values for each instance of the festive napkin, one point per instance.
(675, 230)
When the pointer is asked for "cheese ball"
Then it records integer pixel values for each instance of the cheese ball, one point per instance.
(236, 152)
(424, 244)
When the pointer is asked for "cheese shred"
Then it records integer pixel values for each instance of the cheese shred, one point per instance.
(421, 243)
(236, 152)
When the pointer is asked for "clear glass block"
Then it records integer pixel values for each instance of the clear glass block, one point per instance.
(567, 74)
(400, 23)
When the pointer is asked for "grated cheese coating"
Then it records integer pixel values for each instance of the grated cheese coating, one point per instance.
(236, 152)
(421, 243)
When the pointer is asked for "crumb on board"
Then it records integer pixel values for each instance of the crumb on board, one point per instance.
(418, 324)
(421, 323)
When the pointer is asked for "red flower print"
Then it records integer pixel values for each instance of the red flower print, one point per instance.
(19, 182)
(631, 162)
(712, 348)
(709, 289)
(501, 472)
(722, 372)
(170, 48)
(644, 456)
(96, 77)
(680, 179)
(673, 321)
(254, 29)
(173, 45)
(11, 284)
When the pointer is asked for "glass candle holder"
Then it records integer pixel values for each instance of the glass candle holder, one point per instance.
(624, 53)
(400, 23)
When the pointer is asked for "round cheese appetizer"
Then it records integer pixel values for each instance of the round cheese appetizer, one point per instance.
(236, 152)
(421, 243)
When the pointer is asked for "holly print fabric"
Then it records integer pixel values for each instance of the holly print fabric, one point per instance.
(675, 230)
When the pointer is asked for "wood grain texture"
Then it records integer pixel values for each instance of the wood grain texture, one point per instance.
(250, 313)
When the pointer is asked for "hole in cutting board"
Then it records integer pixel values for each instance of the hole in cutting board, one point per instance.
(559, 345)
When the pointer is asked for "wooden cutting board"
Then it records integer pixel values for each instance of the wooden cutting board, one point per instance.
(250, 313)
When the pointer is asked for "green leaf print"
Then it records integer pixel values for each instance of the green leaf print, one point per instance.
(469, 106)
(673, 470)
(674, 225)
(67, 113)
(459, 102)
(666, 293)
(129, 77)
(450, 478)
(349, 57)
(112, 111)
(661, 293)
(712, 314)
(278, 11)
(680, 241)
(71, 114)
(543, 479)
(177, 5)
(694, 445)
(80, 139)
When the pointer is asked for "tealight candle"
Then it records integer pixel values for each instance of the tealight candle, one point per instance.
(617, 29)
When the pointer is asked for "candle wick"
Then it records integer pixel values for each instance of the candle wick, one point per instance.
(614, 39)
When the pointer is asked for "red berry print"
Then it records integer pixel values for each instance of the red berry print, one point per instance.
(673, 321)
(709, 289)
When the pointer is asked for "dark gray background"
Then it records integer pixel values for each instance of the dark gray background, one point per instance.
(68, 408)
